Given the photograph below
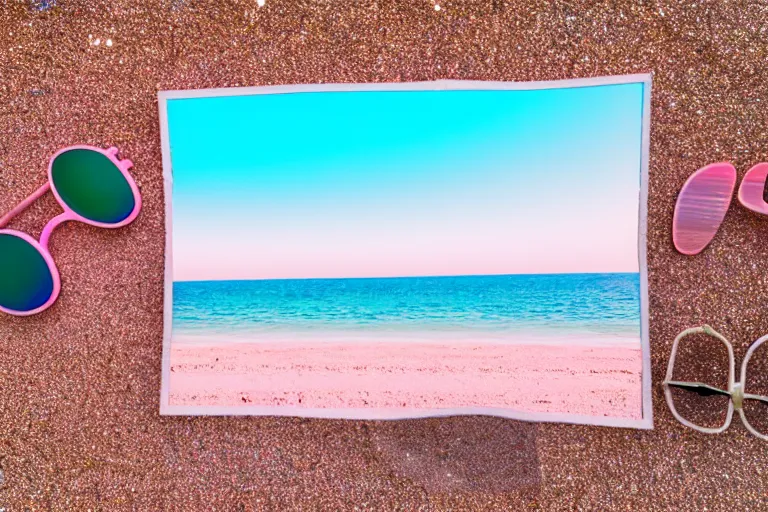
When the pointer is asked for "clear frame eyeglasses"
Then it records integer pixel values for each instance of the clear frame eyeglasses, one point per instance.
(735, 392)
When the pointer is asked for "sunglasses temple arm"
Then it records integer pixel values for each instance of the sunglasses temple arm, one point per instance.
(37, 194)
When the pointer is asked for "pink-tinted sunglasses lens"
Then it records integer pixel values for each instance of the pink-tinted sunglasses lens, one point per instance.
(26, 281)
(701, 207)
(752, 189)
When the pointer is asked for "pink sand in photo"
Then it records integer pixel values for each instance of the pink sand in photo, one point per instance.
(601, 380)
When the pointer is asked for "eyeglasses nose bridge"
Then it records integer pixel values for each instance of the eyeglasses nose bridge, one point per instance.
(737, 395)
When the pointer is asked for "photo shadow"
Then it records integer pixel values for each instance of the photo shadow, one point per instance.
(463, 453)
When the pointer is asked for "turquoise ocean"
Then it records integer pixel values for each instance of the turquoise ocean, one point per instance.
(498, 307)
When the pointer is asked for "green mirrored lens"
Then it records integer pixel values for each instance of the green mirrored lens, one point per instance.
(92, 185)
(26, 282)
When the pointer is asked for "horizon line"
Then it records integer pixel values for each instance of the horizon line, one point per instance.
(400, 277)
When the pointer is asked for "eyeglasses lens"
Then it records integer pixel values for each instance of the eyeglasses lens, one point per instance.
(756, 383)
(701, 358)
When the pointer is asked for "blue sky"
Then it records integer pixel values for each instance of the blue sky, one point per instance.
(353, 184)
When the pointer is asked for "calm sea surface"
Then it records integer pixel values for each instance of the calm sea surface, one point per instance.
(555, 304)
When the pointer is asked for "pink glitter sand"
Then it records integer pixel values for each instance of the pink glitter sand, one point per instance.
(600, 380)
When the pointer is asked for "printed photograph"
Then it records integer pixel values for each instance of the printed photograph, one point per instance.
(393, 252)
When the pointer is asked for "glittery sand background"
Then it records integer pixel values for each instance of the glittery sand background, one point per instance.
(79, 384)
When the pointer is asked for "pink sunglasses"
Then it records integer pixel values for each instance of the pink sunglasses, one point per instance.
(92, 186)
(705, 199)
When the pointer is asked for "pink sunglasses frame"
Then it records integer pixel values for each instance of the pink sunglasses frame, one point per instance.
(67, 215)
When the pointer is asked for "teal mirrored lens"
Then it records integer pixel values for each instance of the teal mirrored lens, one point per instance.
(26, 282)
(92, 185)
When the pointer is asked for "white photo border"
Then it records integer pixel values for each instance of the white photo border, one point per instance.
(646, 422)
